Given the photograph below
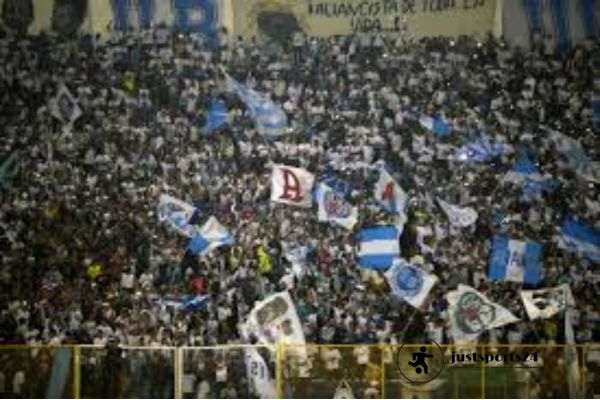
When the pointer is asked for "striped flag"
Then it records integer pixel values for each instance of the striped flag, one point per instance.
(379, 247)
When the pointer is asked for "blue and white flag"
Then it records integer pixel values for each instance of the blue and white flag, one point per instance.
(178, 214)
(409, 282)
(581, 239)
(515, 261)
(217, 117)
(480, 150)
(526, 173)
(576, 156)
(340, 186)
(333, 208)
(268, 117)
(210, 236)
(379, 247)
(437, 124)
(389, 194)
(187, 303)
(197, 16)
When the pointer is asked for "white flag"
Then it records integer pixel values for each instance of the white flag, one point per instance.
(333, 207)
(471, 314)
(544, 303)
(291, 185)
(458, 216)
(389, 194)
(410, 283)
(259, 375)
(275, 320)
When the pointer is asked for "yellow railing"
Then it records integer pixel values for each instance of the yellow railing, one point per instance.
(307, 371)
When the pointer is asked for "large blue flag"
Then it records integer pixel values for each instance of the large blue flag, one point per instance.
(581, 239)
(526, 173)
(515, 261)
(268, 117)
(379, 247)
(217, 117)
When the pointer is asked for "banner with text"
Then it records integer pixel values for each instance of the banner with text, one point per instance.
(278, 19)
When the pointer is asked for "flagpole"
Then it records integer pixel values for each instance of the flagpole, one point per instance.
(408, 324)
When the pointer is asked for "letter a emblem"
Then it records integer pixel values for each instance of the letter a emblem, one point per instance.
(291, 186)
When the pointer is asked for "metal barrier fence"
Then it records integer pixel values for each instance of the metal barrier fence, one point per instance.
(301, 371)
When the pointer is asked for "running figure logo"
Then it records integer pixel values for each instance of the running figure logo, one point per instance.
(420, 363)
(419, 360)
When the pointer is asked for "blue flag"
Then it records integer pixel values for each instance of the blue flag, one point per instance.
(217, 116)
(409, 282)
(515, 261)
(581, 239)
(480, 150)
(379, 247)
(437, 124)
(526, 173)
(210, 236)
(268, 117)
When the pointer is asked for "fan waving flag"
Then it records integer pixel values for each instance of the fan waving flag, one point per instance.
(471, 313)
(526, 173)
(545, 303)
(210, 236)
(409, 282)
(65, 107)
(333, 208)
(379, 247)
(178, 214)
(580, 239)
(458, 216)
(217, 117)
(480, 150)
(389, 194)
(291, 185)
(268, 117)
(438, 125)
(515, 261)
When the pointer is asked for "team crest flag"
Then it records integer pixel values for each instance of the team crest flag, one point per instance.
(379, 247)
(275, 320)
(409, 282)
(471, 313)
(291, 185)
(545, 303)
(259, 374)
(458, 216)
(333, 208)
(389, 194)
(515, 261)
(177, 214)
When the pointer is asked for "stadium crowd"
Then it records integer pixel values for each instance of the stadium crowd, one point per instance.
(85, 259)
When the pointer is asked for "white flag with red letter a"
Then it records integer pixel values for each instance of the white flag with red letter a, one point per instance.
(291, 185)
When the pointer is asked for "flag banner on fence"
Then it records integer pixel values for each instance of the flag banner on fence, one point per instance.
(379, 247)
(409, 282)
(471, 313)
(216, 117)
(437, 124)
(268, 117)
(333, 208)
(210, 236)
(576, 156)
(515, 261)
(177, 214)
(458, 216)
(545, 303)
(259, 375)
(291, 185)
(389, 194)
(65, 107)
(275, 320)
(580, 239)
